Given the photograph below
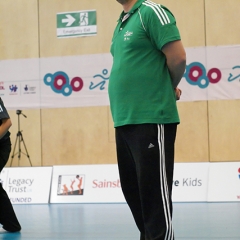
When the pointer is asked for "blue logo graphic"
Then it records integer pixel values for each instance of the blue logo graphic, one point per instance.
(235, 75)
(13, 88)
(29, 89)
(101, 83)
(60, 83)
(196, 74)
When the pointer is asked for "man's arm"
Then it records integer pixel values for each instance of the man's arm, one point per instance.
(176, 60)
(6, 124)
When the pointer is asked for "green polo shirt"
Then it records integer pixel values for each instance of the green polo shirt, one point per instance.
(140, 88)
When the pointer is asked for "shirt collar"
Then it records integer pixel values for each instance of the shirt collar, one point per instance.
(133, 9)
(136, 6)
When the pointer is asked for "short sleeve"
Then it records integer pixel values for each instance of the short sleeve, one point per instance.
(161, 25)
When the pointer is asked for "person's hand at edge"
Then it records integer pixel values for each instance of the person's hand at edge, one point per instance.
(178, 93)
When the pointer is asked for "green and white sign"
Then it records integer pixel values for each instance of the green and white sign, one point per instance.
(77, 24)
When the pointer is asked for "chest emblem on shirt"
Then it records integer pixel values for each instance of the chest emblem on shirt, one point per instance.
(127, 35)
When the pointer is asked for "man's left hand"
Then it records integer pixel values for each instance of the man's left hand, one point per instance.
(178, 93)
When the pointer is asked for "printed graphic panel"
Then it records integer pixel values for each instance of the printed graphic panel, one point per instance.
(70, 185)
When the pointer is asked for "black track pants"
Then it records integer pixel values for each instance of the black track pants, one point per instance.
(7, 215)
(145, 155)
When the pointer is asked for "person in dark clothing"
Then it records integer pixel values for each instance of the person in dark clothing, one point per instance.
(8, 218)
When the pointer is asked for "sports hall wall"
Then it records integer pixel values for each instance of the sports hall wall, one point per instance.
(209, 130)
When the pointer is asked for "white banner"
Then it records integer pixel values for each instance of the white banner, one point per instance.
(224, 182)
(212, 73)
(86, 184)
(101, 184)
(27, 185)
(192, 182)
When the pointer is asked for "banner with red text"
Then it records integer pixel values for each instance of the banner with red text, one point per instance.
(86, 184)
(192, 182)
(101, 183)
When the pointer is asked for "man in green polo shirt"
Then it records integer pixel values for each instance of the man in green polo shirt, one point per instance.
(148, 63)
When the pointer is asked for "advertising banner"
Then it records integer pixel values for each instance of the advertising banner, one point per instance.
(79, 81)
(101, 184)
(27, 185)
(224, 182)
(190, 182)
(86, 184)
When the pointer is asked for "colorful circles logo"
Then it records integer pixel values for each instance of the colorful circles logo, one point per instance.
(60, 83)
(196, 74)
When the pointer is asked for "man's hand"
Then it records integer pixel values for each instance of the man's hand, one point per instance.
(178, 93)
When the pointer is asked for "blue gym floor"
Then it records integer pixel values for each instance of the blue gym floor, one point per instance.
(192, 221)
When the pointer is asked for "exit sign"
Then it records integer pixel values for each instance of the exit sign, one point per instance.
(77, 24)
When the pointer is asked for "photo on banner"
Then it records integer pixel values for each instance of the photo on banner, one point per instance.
(70, 185)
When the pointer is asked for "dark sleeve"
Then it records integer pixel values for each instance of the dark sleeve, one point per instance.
(3, 111)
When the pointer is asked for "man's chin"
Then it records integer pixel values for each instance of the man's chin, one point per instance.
(122, 1)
